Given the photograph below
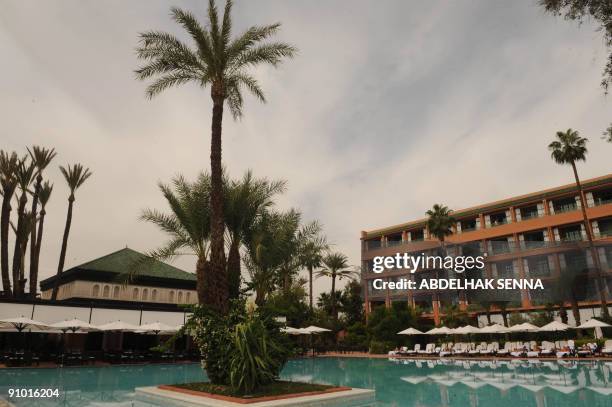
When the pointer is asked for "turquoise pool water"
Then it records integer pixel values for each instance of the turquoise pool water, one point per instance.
(397, 382)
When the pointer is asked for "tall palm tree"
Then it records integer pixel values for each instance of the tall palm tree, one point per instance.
(75, 177)
(41, 158)
(439, 223)
(335, 265)
(223, 64)
(313, 249)
(43, 197)
(24, 175)
(568, 148)
(8, 183)
(245, 200)
(188, 227)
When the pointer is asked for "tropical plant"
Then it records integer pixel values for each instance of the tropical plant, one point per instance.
(24, 174)
(384, 323)
(336, 267)
(253, 361)
(43, 197)
(290, 304)
(245, 201)
(75, 177)
(439, 224)
(311, 256)
(454, 317)
(568, 148)
(41, 158)
(8, 183)
(188, 228)
(607, 135)
(351, 303)
(223, 64)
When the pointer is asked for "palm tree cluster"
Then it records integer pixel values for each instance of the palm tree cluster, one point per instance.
(215, 60)
(22, 182)
(273, 246)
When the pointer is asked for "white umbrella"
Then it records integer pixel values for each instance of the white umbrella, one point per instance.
(157, 327)
(444, 331)
(22, 323)
(74, 325)
(433, 331)
(493, 329)
(315, 329)
(466, 330)
(592, 323)
(291, 331)
(410, 331)
(119, 326)
(555, 326)
(524, 327)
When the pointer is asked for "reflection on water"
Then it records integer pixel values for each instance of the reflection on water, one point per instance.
(411, 383)
(434, 383)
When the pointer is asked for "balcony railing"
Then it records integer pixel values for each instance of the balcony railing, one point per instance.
(569, 207)
(573, 236)
(533, 244)
(602, 201)
(529, 215)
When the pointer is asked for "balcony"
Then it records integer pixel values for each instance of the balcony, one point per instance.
(505, 269)
(565, 205)
(529, 212)
(417, 235)
(602, 197)
(538, 267)
(570, 234)
(498, 219)
(468, 225)
(533, 240)
(500, 246)
(605, 227)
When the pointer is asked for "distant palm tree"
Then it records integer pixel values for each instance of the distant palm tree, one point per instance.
(24, 175)
(245, 201)
(335, 266)
(311, 257)
(188, 227)
(223, 64)
(8, 183)
(567, 149)
(43, 197)
(75, 176)
(439, 224)
(41, 158)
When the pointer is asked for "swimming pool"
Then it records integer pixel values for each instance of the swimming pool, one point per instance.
(399, 383)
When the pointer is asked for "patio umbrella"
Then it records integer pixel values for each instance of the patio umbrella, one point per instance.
(594, 323)
(410, 331)
(467, 330)
(493, 329)
(315, 329)
(555, 326)
(443, 330)
(524, 327)
(22, 323)
(291, 331)
(157, 328)
(74, 325)
(119, 326)
(433, 331)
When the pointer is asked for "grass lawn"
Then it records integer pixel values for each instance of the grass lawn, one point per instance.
(277, 388)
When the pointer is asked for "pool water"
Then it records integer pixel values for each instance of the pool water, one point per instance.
(398, 383)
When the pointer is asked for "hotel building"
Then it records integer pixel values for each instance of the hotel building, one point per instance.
(538, 235)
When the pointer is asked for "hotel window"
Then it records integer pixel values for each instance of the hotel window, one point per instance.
(116, 292)
(563, 205)
(467, 225)
(497, 219)
(528, 212)
(171, 296)
(538, 266)
(188, 298)
(373, 244)
(533, 240)
(106, 291)
(417, 235)
(180, 297)
(570, 233)
(394, 240)
(135, 294)
(604, 227)
(96, 291)
(154, 295)
(602, 197)
(145, 294)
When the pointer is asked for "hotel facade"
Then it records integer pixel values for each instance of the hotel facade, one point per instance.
(540, 235)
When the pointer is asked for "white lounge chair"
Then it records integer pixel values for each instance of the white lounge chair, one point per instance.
(491, 348)
(519, 349)
(607, 348)
(506, 349)
(476, 351)
(548, 348)
(446, 350)
(429, 349)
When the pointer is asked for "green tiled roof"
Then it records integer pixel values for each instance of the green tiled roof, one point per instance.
(121, 260)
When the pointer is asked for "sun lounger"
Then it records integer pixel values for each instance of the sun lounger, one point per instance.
(446, 350)
(506, 349)
(548, 348)
(478, 349)
(607, 348)
(519, 349)
(429, 349)
(417, 348)
(491, 348)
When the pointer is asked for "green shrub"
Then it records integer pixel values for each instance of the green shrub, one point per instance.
(253, 362)
(381, 348)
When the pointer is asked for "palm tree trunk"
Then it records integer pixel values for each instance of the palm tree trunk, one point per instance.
(219, 288)
(19, 235)
(310, 270)
(233, 268)
(60, 265)
(36, 247)
(202, 268)
(576, 313)
(33, 232)
(488, 314)
(333, 297)
(4, 244)
(587, 225)
(563, 313)
(505, 317)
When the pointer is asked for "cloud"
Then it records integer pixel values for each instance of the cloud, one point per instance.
(389, 108)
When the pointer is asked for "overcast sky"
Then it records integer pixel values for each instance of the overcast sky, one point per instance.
(391, 106)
